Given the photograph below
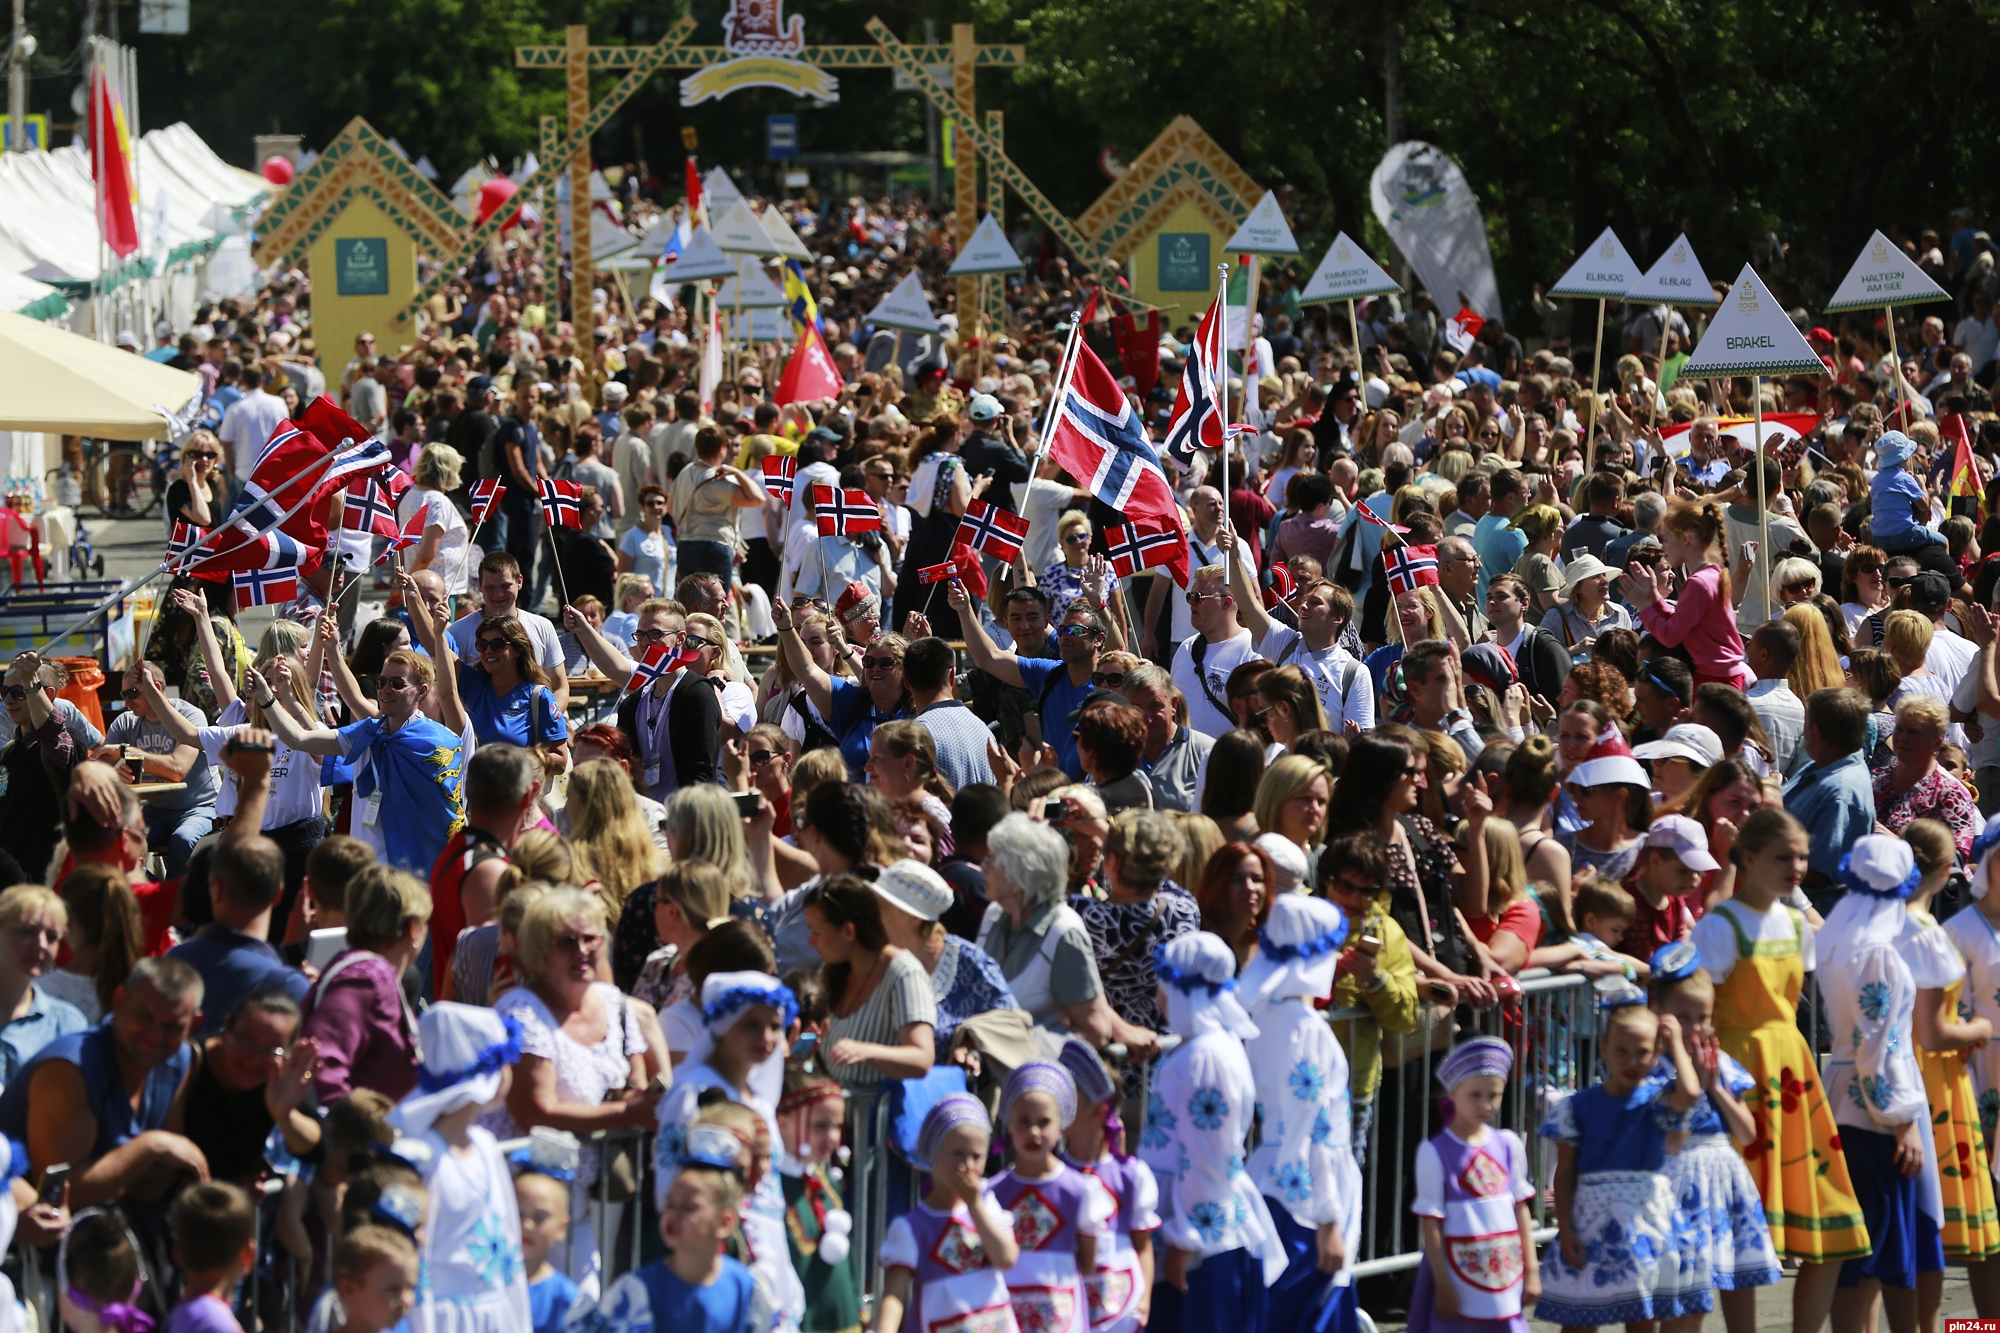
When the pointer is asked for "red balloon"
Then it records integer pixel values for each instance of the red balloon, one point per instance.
(277, 170)
(493, 194)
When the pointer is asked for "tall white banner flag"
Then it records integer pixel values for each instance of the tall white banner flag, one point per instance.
(1423, 201)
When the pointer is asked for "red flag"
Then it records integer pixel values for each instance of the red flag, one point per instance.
(1139, 349)
(1145, 545)
(968, 570)
(412, 533)
(1965, 493)
(562, 503)
(111, 166)
(693, 188)
(1461, 329)
(1410, 567)
(1281, 585)
(810, 375)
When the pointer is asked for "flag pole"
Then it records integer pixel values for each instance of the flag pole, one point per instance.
(1895, 357)
(1596, 363)
(549, 531)
(1059, 390)
(1660, 375)
(1354, 326)
(1222, 364)
(1763, 508)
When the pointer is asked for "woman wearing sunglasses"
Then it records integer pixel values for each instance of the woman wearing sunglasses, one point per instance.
(507, 695)
(199, 495)
(1063, 579)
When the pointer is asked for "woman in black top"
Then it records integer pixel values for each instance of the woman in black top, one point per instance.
(199, 494)
(253, 1075)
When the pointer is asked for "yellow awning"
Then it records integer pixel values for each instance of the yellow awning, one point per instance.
(60, 382)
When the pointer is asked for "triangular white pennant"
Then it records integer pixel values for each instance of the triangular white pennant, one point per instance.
(1264, 232)
(906, 307)
(986, 251)
(749, 288)
(1883, 276)
(1675, 278)
(1751, 335)
(719, 192)
(738, 232)
(1604, 269)
(1347, 274)
(700, 258)
(781, 234)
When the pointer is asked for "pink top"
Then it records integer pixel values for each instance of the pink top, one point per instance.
(1703, 622)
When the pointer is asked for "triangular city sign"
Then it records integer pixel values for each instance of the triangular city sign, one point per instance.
(1751, 335)
(700, 258)
(1264, 232)
(1602, 270)
(719, 192)
(1675, 279)
(749, 288)
(781, 234)
(738, 232)
(1347, 274)
(906, 307)
(986, 251)
(1883, 276)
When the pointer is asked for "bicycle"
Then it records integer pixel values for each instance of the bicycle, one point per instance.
(66, 489)
(126, 480)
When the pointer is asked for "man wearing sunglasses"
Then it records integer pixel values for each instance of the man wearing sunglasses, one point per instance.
(1219, 644)
(675, 724)
(1060, 687)
(35, 766)
(175, 821)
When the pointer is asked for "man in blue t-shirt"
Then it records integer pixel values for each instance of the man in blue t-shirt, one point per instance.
(520, 446)
(1059, 687)
(245, 876)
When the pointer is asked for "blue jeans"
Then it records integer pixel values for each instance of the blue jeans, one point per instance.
(175, 832)
(696, 557)
(525, 543)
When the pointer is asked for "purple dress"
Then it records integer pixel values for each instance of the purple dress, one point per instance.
(1472, 1190)
(1049, 1217)
(955, 1289)
(1111, 1293)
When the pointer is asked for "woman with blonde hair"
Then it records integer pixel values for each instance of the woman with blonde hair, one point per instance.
(1817, 667)
(902, 761)
(446, 539)
(1290, 705)
(105, 938)
(1062, 578)
(33, 921)
(721, 663)
(690, 899)
(703, 825)
(782, 694)
(1204, 838)
(1906, 637)
(607, 836)
(1510, 925)
(1291, 810)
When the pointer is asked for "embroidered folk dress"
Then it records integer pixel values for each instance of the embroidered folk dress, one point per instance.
(1726, 1230)
(476, 1282)
(1304, 1162)
(1471, 1188)
(954, 1289)
(1971, 1225)
(1979, 945)
(1111, 1294)
(1050, 1215)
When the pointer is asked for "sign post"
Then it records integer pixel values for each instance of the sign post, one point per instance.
(1674, 279)
(1606, 272)
(1884, 276)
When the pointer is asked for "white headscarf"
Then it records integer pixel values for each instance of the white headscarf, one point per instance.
(1879, 873)
(1297, 951)
(724, 998)
(1198, 972)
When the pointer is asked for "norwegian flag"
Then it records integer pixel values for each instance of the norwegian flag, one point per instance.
(562, 503)
(412, 533)
(1410, 567)
(485, 496)
(1136, 546)
(989, 528)
(1367, 515)
(1281, 586)
(369, 508)
(842, 513)
(963, 566)
(1099, 440)
(780, 475)
(1198, 420)
(658, 661)
(263, 587)
(185, 536)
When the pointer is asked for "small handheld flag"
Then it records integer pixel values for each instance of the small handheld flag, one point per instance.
(1281, 586)
(780, 474)
(184, 538)
(562, 503)
(262, 587)
(989, 528)
(842, 513)
(412, 533)
(649, 669)
(1965, 493)
(369, 508)
(1410, 567)
(1136, 546)
(485, 496)
(1462, 329)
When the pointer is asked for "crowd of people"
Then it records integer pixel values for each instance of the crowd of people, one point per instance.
(1150, 906)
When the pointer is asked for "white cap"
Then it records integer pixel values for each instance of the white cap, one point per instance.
(913, 887)
(984, 407)
(1685, 839)
(1686, 740)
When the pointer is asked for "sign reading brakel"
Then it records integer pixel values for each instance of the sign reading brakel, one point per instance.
(363, 267)
(764, 48)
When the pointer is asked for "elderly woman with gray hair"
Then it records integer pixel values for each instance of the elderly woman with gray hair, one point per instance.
(1043, 948)
(964, 980)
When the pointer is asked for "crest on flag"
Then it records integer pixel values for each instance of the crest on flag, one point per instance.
(780, 474)
(842, 513)
(1098, 439)
(1410, 567)
(1462, 329)
(989, 528)
(1200, 417)
(485, 495)
(263, 587)
(562, 503)
(963, 566)
(1147, 545)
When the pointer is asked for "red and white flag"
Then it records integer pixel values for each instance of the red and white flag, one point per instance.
(1147, 545)
(264, 587)
(1410, 567)
(842, 513)
(562, 503)
(1200, 418)
(411, 533)
(780, 474)
(989, 528)
(964, 566)
(1462, 329)
(810, 375)
(485, 496)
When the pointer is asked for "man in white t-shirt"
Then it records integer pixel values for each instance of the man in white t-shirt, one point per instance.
(499, 594)
(1217, 647)
(1346, 691)
(1204, 509)
(247, 425)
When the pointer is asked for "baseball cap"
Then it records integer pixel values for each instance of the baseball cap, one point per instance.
(1929, 591)
(984, 407)
(1686, 740)
(1038, 367)
(1095, 697)
(477, 388)
(1685, 839)
(127, 338)
(614, 392)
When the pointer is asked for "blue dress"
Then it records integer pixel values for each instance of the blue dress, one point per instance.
(968, 981)
(1714, 1191)
(1624, 1214)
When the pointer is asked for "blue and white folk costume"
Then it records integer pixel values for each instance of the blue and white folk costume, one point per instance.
(1210, 1207)
(1872, 1079)
(1304, 1163)
(473, 1277)
(1713, 1189)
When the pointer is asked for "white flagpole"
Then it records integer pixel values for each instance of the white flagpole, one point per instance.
(1059, 390)
(1222, 368)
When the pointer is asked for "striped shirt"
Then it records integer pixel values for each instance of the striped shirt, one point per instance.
(902, 997)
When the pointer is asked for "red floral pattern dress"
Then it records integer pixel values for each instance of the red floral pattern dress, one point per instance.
(1938, 795)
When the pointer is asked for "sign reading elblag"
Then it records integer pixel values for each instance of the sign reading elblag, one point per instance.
(1884, 276)
(1675, 279)
(1752, 335)
(1346, 273)
(1604, 270)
